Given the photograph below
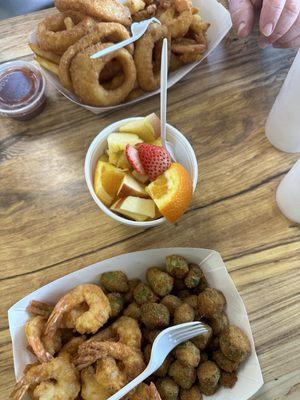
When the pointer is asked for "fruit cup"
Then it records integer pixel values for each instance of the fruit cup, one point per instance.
(184, 155)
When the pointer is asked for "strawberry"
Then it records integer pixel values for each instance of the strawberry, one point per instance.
(155, 159)
(134, 159)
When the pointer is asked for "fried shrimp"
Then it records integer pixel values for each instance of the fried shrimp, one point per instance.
(144, 392)
(43, 346)
(148, 71)
(109, 10)
(104, 31)
(132, 359)
(85, 73)
(88, 322)
(110, 375)
(90, 388)
(57, 379)
(52, 33)
(36, 307)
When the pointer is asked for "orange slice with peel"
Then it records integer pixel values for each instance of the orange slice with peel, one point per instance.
(172, 192)
(107, 181)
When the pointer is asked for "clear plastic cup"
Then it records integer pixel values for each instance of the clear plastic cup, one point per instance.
(22, 90)
(288, 194)
(283, 123)
(184, 152)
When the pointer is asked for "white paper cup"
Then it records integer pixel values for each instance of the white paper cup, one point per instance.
(184, 153)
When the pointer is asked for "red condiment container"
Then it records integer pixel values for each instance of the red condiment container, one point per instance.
(22, 90)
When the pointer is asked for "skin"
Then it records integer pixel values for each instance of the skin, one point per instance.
(279, 21)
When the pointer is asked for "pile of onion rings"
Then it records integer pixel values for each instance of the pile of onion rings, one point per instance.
(66, 39)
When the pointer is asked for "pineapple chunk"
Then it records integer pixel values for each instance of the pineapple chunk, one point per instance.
(142, 128)
(118, 141)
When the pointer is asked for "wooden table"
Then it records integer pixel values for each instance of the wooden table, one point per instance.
(50, 226)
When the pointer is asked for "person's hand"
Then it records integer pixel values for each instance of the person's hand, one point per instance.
(279, 20)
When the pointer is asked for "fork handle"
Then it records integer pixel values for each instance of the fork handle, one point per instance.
(115, 47)
(131, 385)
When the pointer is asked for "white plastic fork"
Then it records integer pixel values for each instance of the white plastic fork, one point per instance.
(137, 31)
(163, 99)
(165, 342)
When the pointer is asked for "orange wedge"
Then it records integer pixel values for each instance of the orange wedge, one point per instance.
(172, 192)
(107, 181)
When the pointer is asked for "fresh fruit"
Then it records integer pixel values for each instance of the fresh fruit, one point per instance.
(104, 158)
(131, 187)
(157, 142)
(134, 160)
(155, 122)
(116, 207)
(139, 177)
(172, 192)
(123, 162)
(154, 159)
(141, 127)
(143, 208)
(118, 141)
(113, 158)
(107, 181)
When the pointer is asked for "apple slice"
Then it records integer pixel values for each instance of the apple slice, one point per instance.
(155, 122)
(139, 177)
(116, 207)
(131, 187)
(157, 142)
(107, 181)
(142, 128)
(135, 205)
(118, 141)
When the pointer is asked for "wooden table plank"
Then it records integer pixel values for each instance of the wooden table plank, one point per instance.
(50, 226)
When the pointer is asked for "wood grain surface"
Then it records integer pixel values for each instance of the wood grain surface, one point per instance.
(50, 226)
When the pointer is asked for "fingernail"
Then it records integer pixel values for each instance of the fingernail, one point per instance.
(263, 43)
(240, 28)
(267, 29)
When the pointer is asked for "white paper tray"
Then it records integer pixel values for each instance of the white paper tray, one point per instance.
(210, 10)
(135, 266)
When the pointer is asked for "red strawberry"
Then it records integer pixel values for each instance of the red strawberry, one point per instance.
(155, 159)
(134, 159)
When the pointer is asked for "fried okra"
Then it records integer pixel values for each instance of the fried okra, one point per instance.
(194, 276)
(184, 313)
(234, 344)
(183, 294)
(224, 362)
(211, 302)
(188, 354)
(191, 394)
(133, 310)
(183, 375)
(160, 282)
(192, 300)
(177, 266)
(178, 285)
(208, 375)
(142, 294)
(228, 379)
(116, 302)
(132, 283)
(168, 389)
(202, 340)
(150, 334)
(218, 323)
(155, 315)
(171, 302)
(164, 368)
(114, 281)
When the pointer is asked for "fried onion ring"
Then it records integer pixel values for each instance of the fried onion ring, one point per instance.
(85, 74)
(148, 72)
(52, 34)
(103, 31)
(178, 26)
(108, 10)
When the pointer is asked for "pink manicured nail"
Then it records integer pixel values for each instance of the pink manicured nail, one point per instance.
(267, 29)
(240, 28)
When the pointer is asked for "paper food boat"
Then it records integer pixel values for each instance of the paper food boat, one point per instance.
(210, 10)
(135, 266)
